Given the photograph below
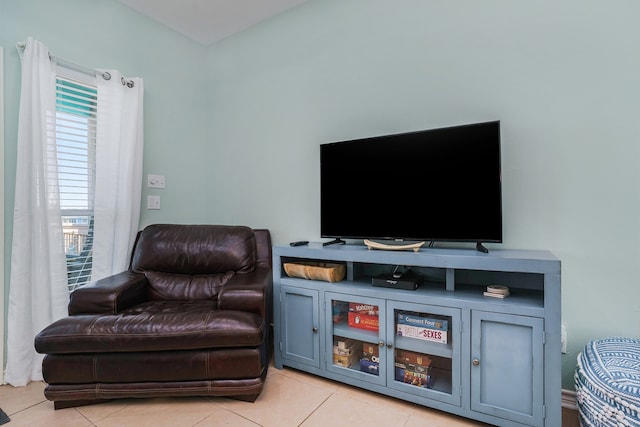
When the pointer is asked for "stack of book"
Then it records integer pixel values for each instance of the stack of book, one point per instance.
(413, 368)
(496, 291)
(370, 361)
(345, 352)
(423, 328)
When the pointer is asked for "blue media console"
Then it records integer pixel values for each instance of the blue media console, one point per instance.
(498, 361)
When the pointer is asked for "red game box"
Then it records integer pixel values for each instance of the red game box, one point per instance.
(363, 321)
(356, 307)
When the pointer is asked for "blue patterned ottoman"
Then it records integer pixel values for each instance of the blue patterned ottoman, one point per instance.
(607, 381)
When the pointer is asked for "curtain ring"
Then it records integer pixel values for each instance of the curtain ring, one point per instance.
(106, 75)
(127, 83)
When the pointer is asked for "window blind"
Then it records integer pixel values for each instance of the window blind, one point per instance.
(75, 139)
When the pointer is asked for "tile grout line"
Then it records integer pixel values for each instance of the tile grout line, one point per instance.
(26, 408)
(91, 423)
(316, 408)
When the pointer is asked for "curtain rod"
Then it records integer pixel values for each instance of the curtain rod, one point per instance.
(71, 65)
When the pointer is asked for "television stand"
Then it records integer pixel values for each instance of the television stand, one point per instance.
(497, 361)
(336, 241)
(481, 248)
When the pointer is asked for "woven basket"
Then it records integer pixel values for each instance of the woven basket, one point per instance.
(325, 271)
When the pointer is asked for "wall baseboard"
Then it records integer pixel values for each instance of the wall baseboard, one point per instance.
(569, 400)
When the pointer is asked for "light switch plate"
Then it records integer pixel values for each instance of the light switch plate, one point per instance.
(155, 181)
(153, 202)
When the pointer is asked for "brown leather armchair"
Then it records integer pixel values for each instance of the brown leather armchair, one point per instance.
(190, 317)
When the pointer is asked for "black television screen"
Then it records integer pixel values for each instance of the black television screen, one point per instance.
(433, 185)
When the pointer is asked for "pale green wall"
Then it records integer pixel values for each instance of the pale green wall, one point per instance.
(562, 76)
(236, 127)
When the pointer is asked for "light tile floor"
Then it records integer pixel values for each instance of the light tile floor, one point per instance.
(290, 398)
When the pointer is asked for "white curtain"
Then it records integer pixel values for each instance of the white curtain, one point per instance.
(38, 292)
(119, 142)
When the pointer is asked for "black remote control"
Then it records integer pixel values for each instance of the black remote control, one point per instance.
(299, 243)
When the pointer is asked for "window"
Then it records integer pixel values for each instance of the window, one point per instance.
(75, 139)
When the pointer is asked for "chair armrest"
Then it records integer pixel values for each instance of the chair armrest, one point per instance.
(109, 295)
(248, 292)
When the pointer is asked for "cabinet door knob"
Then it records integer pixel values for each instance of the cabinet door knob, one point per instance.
(389, 345)
(475, 362)
(381, 343)
(315, 330)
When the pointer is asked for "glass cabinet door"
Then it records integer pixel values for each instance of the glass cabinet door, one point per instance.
(424, 350)
(355, 325)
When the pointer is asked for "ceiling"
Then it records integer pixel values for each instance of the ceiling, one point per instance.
(208, 21)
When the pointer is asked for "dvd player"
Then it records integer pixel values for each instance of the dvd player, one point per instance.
(407, 281)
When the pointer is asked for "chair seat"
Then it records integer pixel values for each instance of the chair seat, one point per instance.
(153, 326)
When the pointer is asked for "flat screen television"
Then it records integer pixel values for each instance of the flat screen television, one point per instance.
(433, 185)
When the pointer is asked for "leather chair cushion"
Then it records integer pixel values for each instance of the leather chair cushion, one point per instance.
(64, 395)
(194, 249)
(187, 365)
(180, 287)
(153, 326)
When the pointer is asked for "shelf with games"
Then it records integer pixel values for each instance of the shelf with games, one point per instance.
(362, 336)
(354, 322)
(440, 345)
